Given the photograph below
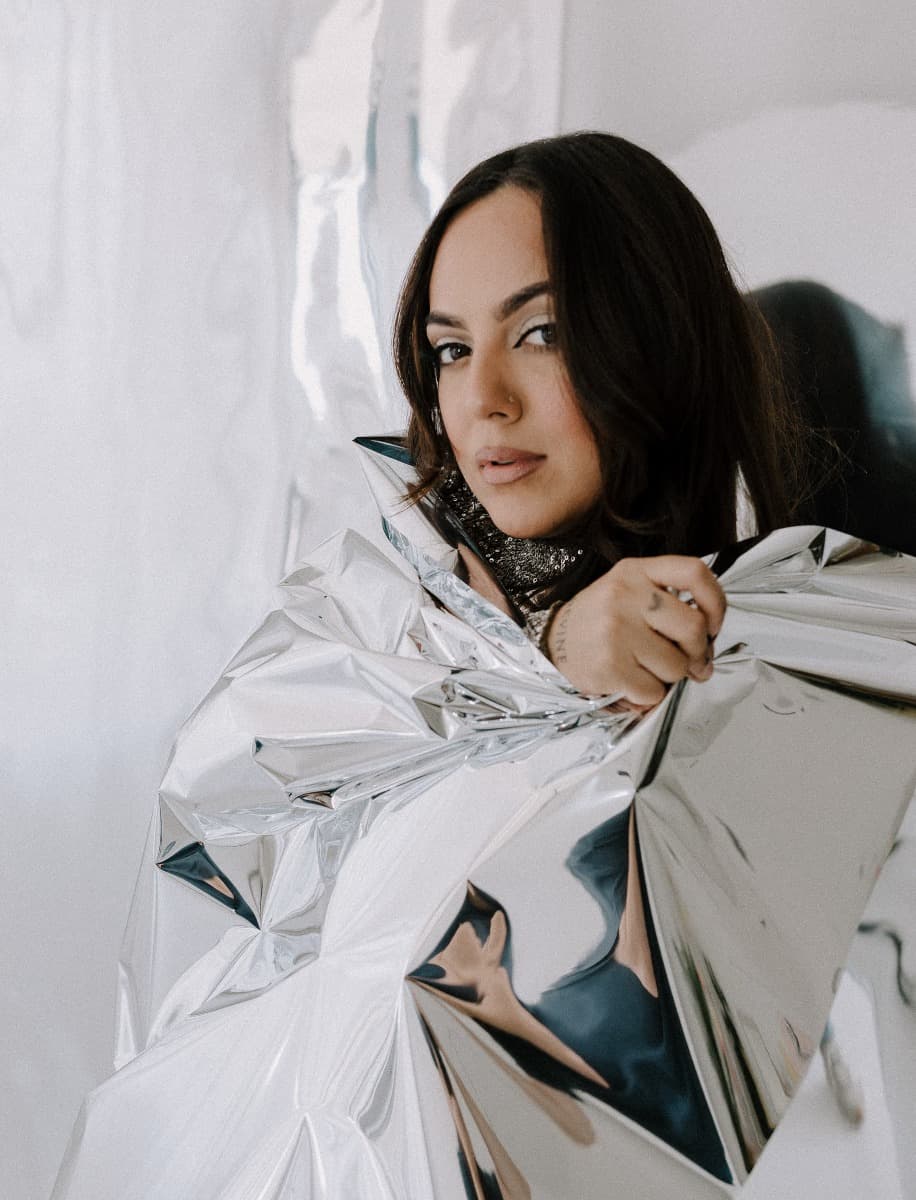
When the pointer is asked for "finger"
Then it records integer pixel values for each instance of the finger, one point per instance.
(690, 575)
(642, 687)
(680, 623)
(630, 706)
(495, 944)
(661, 658)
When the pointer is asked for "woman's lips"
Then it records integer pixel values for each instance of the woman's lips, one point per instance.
(503, 464)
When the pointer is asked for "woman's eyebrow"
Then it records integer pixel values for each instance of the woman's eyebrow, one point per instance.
(520, 298)
(505, 310)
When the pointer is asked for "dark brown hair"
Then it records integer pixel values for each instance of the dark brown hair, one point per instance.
(675, 370)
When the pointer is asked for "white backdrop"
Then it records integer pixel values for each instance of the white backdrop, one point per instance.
(794, 123)
(204, 214)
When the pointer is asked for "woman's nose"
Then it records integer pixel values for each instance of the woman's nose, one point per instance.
(492, 389)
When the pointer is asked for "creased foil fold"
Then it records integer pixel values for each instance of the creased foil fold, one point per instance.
(417, 919)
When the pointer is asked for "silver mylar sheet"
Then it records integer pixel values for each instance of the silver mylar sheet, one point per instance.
(403, 878)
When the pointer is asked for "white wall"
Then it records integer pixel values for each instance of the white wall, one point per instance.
(795, 124)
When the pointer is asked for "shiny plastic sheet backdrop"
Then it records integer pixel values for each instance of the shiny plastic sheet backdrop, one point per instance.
(428, 923)
(389, 104)
(204, 215)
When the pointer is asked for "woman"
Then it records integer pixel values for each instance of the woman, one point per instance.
(590, 397)
(570, 339)
(416, 955)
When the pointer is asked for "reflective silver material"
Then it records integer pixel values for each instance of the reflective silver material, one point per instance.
(426, 922)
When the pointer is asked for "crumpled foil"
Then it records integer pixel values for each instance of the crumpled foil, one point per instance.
(417, 919)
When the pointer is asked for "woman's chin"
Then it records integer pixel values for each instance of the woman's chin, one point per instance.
(521, 526)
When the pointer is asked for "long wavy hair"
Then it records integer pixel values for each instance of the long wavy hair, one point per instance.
(675, 369)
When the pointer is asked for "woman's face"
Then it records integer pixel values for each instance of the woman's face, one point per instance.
(519, 438)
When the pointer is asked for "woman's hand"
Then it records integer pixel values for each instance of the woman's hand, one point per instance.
(629, 632)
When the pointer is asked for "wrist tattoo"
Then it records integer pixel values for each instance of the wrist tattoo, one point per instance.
(559, 635)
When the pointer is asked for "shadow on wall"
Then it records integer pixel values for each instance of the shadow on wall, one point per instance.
(850, 372)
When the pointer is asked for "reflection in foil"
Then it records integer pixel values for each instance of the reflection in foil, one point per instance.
(606, 1027)
(906, 984)
(194, 865)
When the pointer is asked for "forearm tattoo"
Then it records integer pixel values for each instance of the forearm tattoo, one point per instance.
(559, 634)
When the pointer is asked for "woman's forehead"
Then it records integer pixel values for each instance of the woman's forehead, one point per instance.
(491, 250)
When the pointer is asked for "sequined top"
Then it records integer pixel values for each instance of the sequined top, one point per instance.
(526, 568)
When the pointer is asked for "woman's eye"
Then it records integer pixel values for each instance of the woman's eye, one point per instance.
(544, 334)
(449, 352)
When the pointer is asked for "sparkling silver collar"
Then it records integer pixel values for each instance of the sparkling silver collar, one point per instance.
(528, 569)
